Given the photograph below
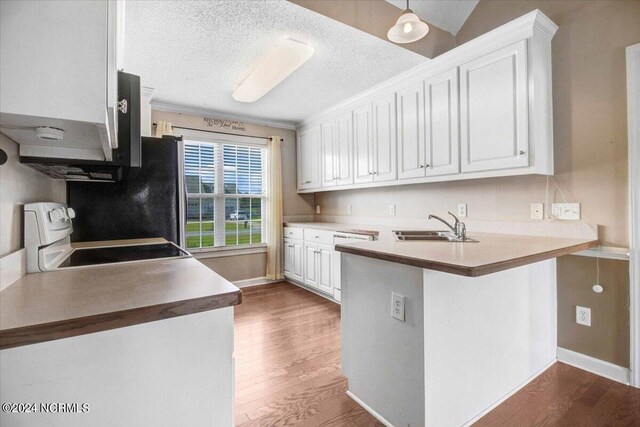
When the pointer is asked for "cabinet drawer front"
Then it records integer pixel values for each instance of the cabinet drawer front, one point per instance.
(293, 233)
(318, 236)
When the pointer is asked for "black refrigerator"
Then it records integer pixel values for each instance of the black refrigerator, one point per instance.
(145, 206)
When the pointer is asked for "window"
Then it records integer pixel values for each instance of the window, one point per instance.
(225, 197)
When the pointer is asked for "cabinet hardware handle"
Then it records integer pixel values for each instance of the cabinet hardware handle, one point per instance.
(427, 165)
(374, 172)
(421, 166)
(317, 237)
(522, 152)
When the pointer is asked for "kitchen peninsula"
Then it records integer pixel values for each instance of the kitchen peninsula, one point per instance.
(479, 323)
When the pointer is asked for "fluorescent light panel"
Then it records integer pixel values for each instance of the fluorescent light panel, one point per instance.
(287, 57)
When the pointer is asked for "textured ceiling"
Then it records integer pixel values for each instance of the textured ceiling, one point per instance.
(449, 15)
(196, 53)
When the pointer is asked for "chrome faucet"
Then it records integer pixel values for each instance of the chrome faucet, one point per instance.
(459, 228)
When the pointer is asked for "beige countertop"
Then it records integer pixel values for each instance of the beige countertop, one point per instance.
(46, 306)
(492, 252)
(343, 228)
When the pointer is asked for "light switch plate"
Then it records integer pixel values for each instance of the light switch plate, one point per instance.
(317, 209)
(537, 210)
(566, 211)
(397, 306)
(392, 210)
(349, 210)
(462, 210)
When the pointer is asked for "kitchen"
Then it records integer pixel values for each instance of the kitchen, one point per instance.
(263, 190)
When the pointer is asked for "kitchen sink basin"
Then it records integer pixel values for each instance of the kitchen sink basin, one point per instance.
(429, 235)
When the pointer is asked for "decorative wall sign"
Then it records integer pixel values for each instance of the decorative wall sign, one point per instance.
(224, 124)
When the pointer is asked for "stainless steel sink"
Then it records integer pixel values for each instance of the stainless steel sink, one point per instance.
(445, 236)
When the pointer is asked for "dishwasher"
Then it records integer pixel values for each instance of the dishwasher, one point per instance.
(340, 238)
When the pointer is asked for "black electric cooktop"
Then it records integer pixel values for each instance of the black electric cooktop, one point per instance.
(108, 255)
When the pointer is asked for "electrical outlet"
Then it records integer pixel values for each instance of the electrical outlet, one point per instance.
(462, 210)
(397, 306)
(537, 210)
(392, 210)
(566, 211)
(349, 210)
(583, 315)
(317, 209)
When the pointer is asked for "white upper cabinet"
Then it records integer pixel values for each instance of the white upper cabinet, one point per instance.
(428, 136)
(362, 144)
(309, 158)
(328, 153)
(483, 109)
(494, 110)
(384, 139)
(344, 150)
(411, 141)
(59, 63)
(442, 137)
(337, 151)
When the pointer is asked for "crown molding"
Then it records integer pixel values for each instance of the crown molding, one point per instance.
(511, 32)
(194, 111)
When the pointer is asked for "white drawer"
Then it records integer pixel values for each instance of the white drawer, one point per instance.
(318, 236)
(293, 233)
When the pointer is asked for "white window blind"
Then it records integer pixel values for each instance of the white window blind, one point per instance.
(224, 193)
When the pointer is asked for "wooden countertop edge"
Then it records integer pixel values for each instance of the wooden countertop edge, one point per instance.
(33, 334)
(467, 271)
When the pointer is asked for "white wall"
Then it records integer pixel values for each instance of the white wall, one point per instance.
(19, 184)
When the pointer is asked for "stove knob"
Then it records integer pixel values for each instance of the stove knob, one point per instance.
(55, 215)
(71, 213)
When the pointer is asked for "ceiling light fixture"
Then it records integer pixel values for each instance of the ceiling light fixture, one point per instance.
(409, 28)
(287, 57)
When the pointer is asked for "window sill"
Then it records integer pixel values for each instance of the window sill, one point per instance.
(228, 251)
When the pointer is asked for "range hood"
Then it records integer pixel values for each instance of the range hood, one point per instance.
(127, 158)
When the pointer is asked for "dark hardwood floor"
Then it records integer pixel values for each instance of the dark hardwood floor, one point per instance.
(287, 350)
(568, 396)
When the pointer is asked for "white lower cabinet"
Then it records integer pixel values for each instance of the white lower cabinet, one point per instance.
(311, 260)
(311, 264)
(325, 268)
(293, 259)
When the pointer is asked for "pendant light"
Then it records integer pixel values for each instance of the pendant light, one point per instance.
(409, 28)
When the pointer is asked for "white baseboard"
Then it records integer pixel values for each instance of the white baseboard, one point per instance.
(256, 281)
(369, 410)
(12, 267)
(593, 365)
(508, 395)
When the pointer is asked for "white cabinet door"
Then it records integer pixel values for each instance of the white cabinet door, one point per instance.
(441, 124)
(297, 260)
(328, 153)
(411, 140)
(325, 268)
(309, 158)
(288, 257)
(311, 264)
(362, 145)
(344, 150)
(494, 114)
(384, 139)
